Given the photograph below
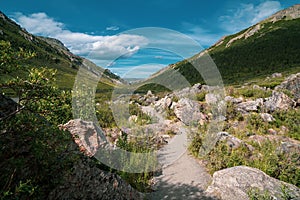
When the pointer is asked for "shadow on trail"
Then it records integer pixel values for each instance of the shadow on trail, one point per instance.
(178, 191)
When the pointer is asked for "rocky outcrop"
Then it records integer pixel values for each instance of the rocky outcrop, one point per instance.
(190, 91)
(289, 13)
(278, 101)
(292, 83)
(163, 104)
(87, 181)
(236, 182)
(234, 100)
(187, 111)
(286, 145)
(249, 106)
(86, 135)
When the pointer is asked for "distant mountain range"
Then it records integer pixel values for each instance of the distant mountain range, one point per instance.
(272, 45)
(51, 53)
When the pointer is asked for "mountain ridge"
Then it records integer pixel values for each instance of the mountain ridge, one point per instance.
(51, 53)
(267, 47)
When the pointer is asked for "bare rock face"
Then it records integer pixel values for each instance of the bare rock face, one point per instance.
(188, 111)
(278, 101)
(249, 106)
(235, 182)
(289, 13)
(86, 181)
(292, 83)
(163, 104)
(234, 100)
(86, 135)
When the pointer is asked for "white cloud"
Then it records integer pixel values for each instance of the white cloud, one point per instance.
(112, 28)
(92, 46)
(139, 71)
(247, 15)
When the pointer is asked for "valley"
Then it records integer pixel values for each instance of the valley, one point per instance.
(95, 136)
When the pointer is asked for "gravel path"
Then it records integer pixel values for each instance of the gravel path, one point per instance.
(182, 176)
(184, 179)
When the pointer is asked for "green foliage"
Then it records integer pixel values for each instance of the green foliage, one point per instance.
(143, 118)
(195, 145)
(201, 96)
(232, 113)
(273, 49)
(34, 152)
(253, 93)
(43, 158)
(10, 59)
(140, 181)
(290, 119)
(105, 116)
(156, 88)
(256, 125)
(256, 194)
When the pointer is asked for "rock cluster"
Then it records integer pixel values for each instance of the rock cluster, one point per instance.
(237, 182)
(87, 181)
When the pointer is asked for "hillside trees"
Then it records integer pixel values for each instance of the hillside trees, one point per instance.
(34, 152)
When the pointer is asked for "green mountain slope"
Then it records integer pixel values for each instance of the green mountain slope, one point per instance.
(270, 46)
(51, 53)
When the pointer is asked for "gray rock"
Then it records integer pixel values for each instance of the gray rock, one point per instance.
(267, 117)
(287, 145)
(235, 182)
(278, 101)
(86, 135)
(191, 91)
(231, 141)
(211, 98)
(249, 106)
(292, 83)
(163, 104)
(276, 75)
(234, 100)
(86, 181)
(188, 111)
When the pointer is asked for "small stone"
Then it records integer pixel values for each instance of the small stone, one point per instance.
(272, 131)
(267, 117)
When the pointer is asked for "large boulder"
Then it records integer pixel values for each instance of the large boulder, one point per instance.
(87, 181)
(188, 111)
(249, 106)
(292, 83)
(86, 135)
(278, 101)
(234, 100)
(163, 104)
(236, 182)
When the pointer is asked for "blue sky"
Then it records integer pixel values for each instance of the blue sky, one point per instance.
(95, 29)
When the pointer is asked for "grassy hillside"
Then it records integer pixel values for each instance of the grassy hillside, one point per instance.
(274, 47)
(50, 53)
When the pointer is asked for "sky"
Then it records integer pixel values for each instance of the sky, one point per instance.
(136, 38)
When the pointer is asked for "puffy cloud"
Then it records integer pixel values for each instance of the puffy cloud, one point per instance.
(92, 46)
(138, 71)
(247, 15)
